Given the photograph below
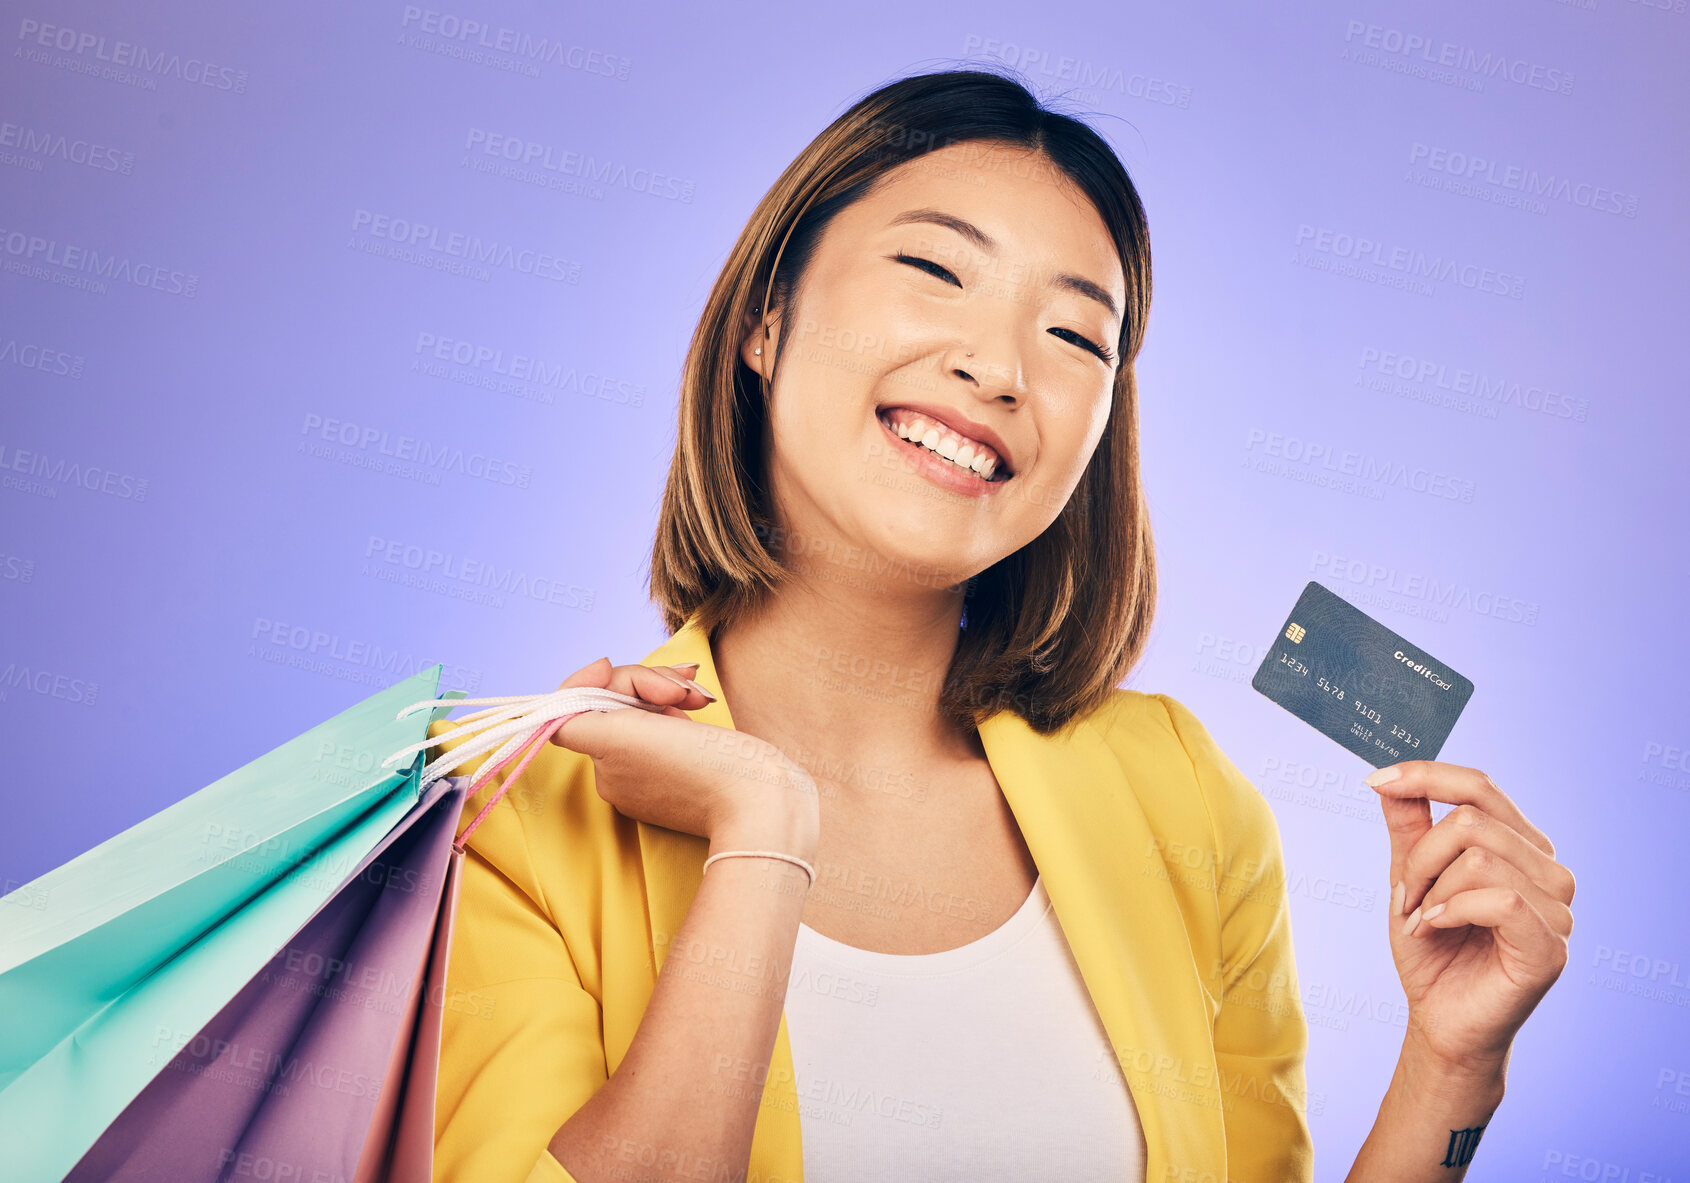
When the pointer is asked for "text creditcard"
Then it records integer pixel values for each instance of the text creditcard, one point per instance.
(1351, 678)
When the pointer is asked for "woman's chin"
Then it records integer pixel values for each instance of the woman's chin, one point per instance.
(921, 554)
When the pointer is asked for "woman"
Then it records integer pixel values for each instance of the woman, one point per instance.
(936, 900)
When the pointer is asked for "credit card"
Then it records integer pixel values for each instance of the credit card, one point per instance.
(1351, 678)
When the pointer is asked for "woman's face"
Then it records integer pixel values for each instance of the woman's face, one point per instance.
(965, 302)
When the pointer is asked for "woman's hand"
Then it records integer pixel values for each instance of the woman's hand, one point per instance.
(1480, 965)
(656, 764)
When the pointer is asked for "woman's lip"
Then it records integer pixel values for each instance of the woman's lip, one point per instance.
(962, 425)
(939, 470)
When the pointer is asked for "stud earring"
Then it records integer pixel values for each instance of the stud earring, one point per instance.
(758, 350)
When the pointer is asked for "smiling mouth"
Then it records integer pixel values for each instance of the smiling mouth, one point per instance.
(968, 455)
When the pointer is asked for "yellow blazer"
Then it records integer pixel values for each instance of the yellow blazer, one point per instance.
(1162, 861)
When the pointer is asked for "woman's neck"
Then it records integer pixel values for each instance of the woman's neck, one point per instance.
(843, 683)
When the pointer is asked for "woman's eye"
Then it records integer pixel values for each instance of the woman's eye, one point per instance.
(1102, 351)
(928, 266)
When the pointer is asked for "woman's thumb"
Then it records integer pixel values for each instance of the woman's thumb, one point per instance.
(596, 674)
(589, 739)
(585, 733)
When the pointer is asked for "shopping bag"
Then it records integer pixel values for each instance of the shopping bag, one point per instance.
(298, 1075)
(135, 945)
(322, 1066)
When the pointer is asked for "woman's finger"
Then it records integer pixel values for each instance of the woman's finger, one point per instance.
(593, 674)
(1478, 867)
(1456, 784)
(1467, 826)
(659, 694)
(663, 688)
(1518, 926)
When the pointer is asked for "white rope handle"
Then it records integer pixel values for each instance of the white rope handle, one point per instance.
(508, 724)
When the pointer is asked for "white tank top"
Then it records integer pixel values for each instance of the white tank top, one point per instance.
(977, 1064)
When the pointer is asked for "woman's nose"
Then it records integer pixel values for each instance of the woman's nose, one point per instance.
(994, 365)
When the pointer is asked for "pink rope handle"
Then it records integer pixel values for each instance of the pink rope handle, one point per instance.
(541, 736)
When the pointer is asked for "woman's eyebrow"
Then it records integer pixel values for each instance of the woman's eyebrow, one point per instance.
(1074, 283)
(939, 218)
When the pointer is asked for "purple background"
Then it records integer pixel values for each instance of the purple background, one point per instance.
(191, 573)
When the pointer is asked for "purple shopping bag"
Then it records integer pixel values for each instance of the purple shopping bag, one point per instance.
(322, 1068)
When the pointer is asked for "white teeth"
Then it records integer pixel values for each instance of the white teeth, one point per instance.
(944, 443)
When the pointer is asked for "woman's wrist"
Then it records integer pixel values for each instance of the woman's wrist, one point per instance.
(1477, 1081)
(787, 828)
(1432, 1117)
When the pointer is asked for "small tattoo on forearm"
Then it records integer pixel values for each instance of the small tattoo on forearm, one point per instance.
(1462, 1143)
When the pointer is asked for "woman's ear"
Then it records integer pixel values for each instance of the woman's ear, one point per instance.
(755, 349)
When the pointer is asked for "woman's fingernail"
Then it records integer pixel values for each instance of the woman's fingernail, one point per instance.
(1408, 925)
(1432, 911)
(1383, 776)
(686, 666)
(688, 683)
(1397, 894)
(700, 689)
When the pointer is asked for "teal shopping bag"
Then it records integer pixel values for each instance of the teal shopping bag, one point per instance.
(126, 951)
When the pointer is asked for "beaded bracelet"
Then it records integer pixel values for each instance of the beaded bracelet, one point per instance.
(791, 858)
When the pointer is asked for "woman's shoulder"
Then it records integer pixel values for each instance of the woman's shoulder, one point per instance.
(1146, 726)
(1176, 766)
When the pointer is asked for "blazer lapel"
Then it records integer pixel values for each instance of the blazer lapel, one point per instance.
(1109, 888)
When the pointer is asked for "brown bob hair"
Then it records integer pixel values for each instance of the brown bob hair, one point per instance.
(1049, 631)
